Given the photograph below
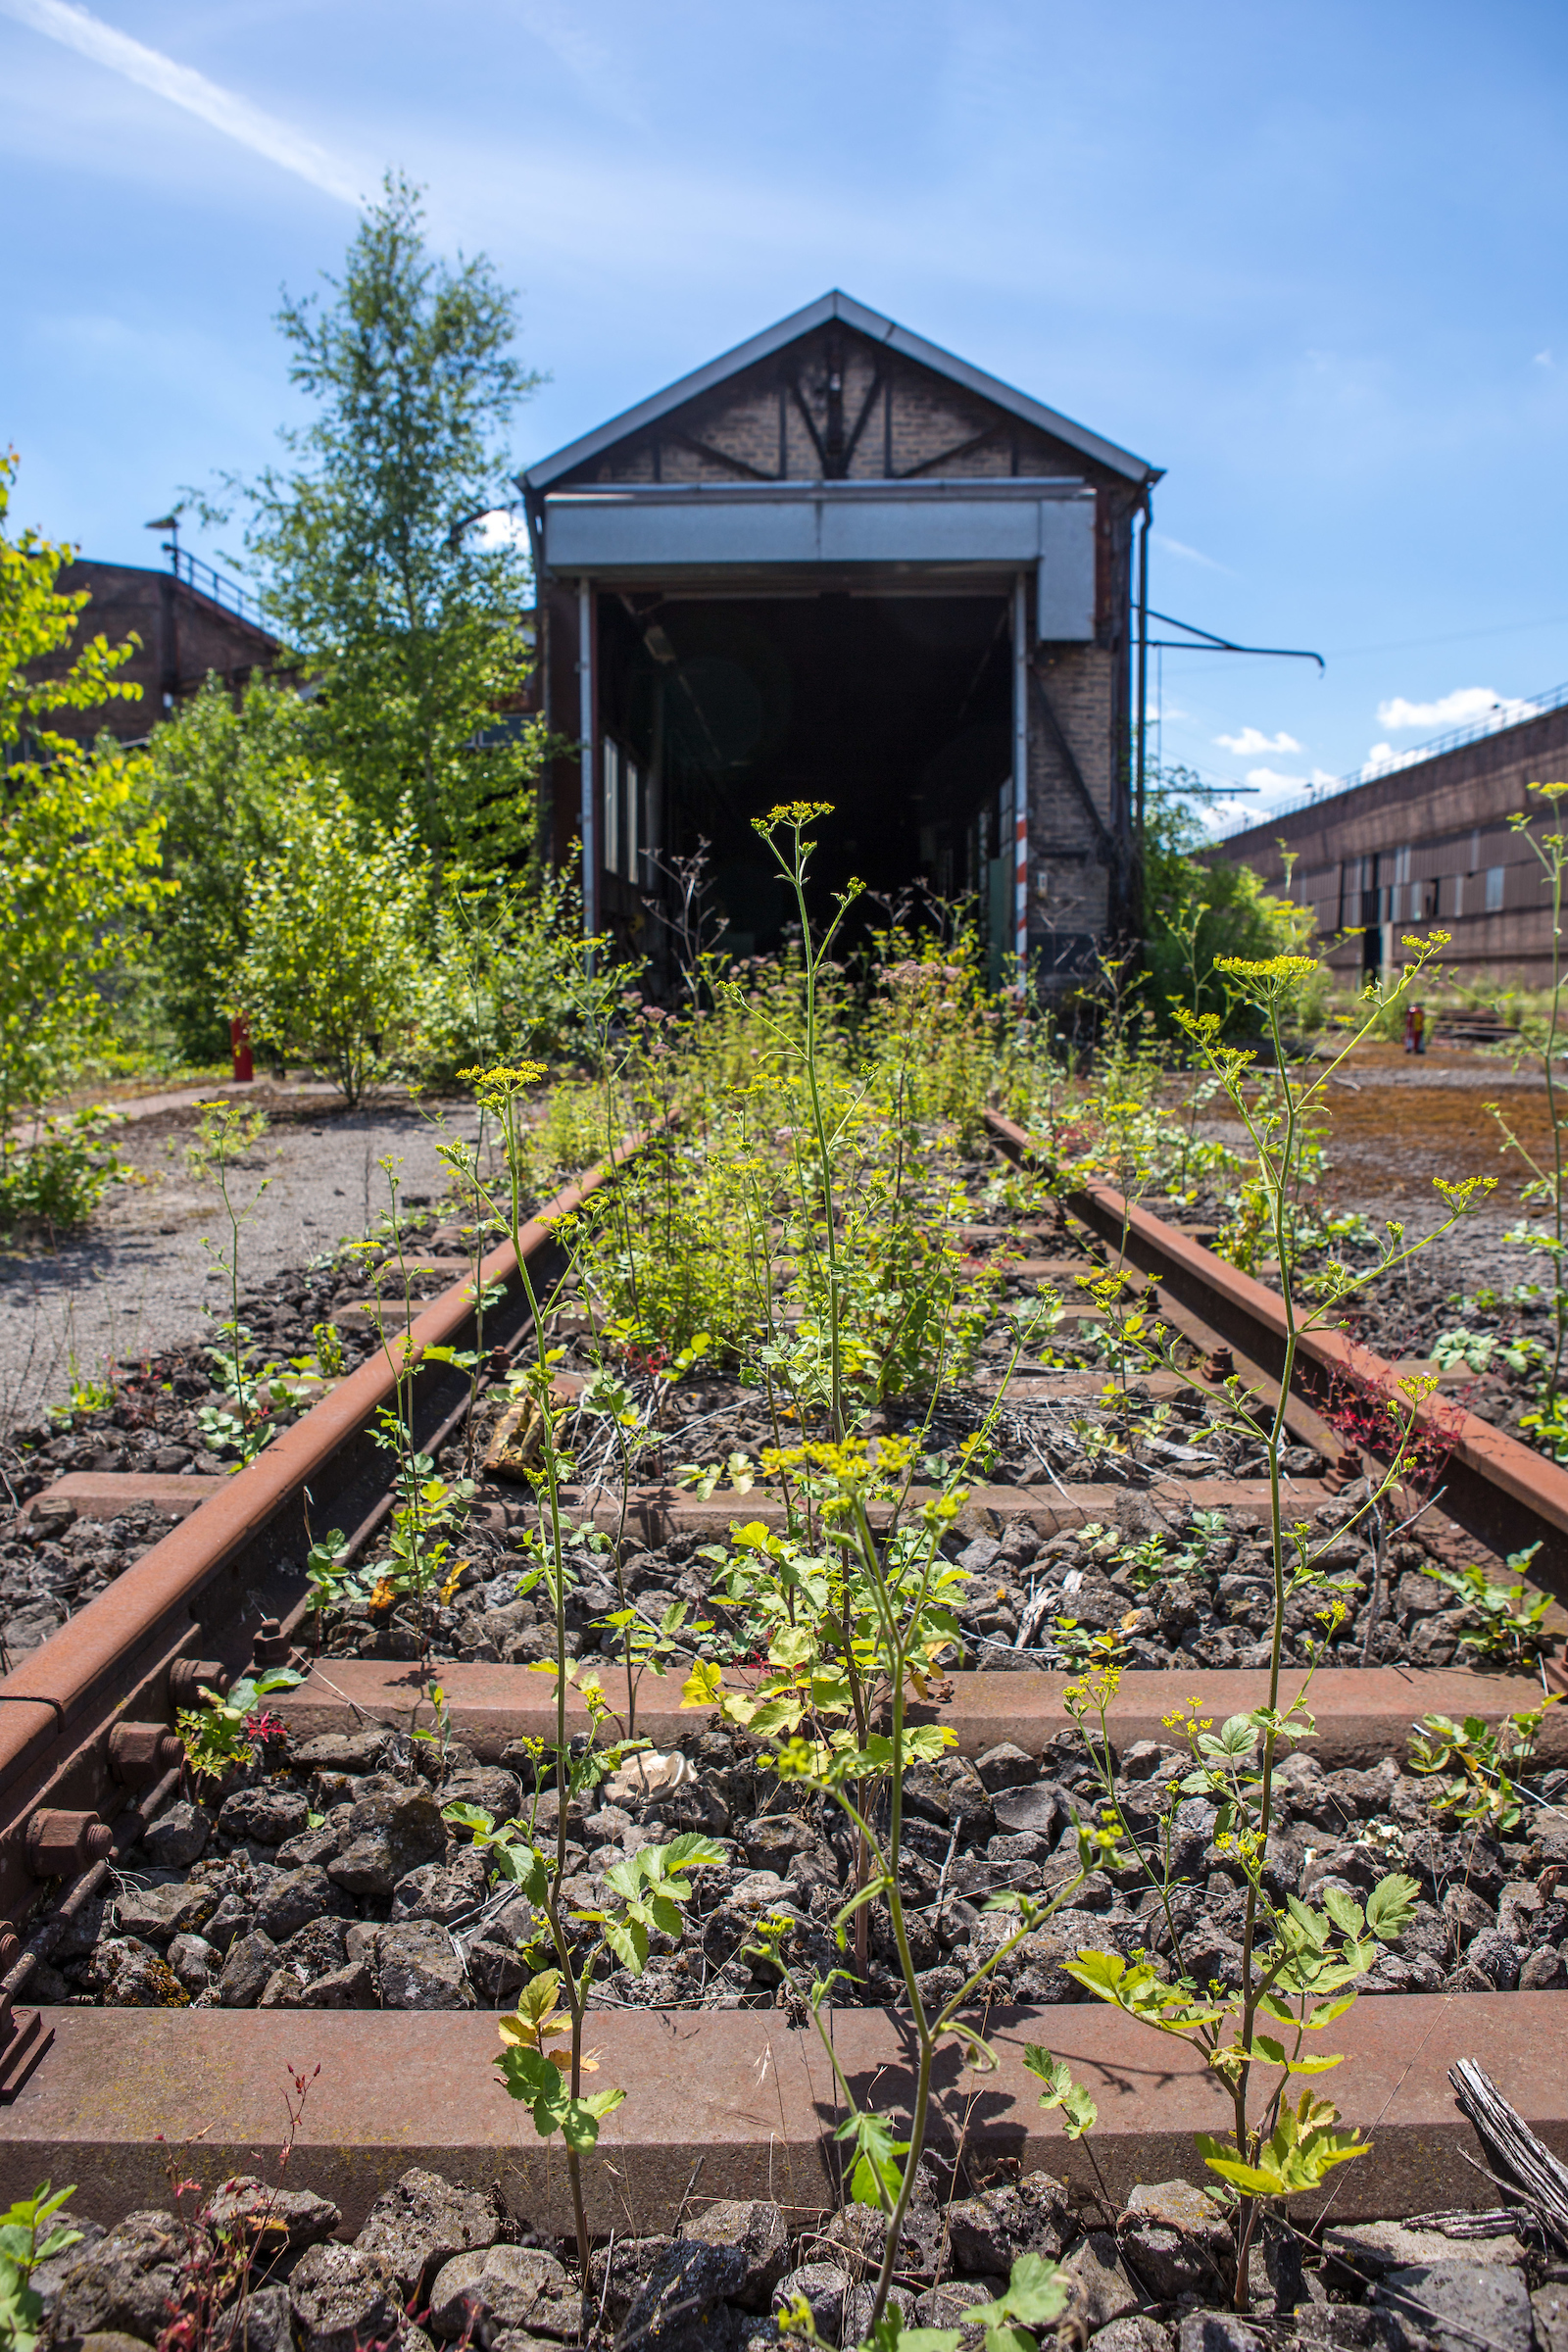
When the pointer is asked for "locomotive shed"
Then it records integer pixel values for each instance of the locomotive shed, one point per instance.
(839, 565)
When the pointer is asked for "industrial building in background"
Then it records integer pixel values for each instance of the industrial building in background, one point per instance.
(1429, 844)
(189, 621)
(839, 565)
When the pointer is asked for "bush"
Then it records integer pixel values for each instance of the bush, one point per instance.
(1197, 909)
(78, 847)
(221, 779)
(507, 974)
(59, 1179)
(333, 973)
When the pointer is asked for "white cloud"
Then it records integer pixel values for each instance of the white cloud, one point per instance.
(1464, 708)
(77, 29)
(1191, 554)
(1251, 740)
(1544, 359)
(1383, 758)
(1269, 779)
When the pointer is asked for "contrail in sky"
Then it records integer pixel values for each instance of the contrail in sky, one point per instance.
(79, 29)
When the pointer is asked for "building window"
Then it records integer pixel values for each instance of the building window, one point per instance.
(624, 820)
(1458, 896)
(1494, 874)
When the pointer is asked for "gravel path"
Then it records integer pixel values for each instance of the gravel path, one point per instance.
(137, 1280)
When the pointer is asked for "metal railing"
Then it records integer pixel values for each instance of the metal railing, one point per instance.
(1516, 713)
(216, 586)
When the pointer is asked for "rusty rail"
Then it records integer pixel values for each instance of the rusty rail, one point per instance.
(1498, 1490)
(740, 2089)
(234, 1564)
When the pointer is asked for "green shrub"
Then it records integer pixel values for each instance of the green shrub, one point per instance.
(221, 779)
(508, 973)
(333, 973)
(79, 847)
(1197, 910)
(59, 1179)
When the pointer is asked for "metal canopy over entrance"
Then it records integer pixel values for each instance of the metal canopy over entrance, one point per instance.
(630, 532)
(841, 564)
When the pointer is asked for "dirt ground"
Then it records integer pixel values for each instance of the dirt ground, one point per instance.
(136, 1281)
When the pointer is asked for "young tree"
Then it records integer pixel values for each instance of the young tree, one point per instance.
(333, 970)
(79, 846)
(368, 545)
(219, 779)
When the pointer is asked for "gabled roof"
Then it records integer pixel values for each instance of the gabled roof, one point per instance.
(866, 322)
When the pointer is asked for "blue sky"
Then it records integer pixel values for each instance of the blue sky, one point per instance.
(1305, 258)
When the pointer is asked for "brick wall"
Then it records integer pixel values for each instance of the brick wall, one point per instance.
(183, 636)
(916, 421)
(898, 418)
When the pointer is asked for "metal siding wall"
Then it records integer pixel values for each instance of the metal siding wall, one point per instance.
(1066, 582)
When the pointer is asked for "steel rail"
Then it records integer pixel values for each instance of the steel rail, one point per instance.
(236, 1563)
(1498, 1489)
(741, 2089)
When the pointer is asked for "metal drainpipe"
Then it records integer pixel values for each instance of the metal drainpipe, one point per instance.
(1143, 674)
(1021, 778)
(589, 758)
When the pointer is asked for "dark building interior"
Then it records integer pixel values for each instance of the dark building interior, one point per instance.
(895, 709)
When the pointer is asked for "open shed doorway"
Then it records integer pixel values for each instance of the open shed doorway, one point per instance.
(896, 708)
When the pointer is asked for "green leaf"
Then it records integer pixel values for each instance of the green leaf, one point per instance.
(1079, 2114)
(21, 2309)
(467, 1817)
(1100, 1971)
(1344, 1911)
(1245, 2176)
(628, 1940)
(877, 2176)
(1035, 2294)
(579, 2126)
(1036, 2291)
(1391, 1906)
(691, 1851)
(538, 2083)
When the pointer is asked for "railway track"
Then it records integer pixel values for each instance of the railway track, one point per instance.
(88, 1758)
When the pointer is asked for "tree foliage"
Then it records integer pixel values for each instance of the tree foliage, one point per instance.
(219, 779)
(367, 544)
(335, 924)
(78, 845)
(1198, 908)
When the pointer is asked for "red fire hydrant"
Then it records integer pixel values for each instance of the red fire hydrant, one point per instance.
(239, 1044)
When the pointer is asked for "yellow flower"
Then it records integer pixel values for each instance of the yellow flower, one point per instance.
(792, 813)
(1267, 967)
(503, 1078)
